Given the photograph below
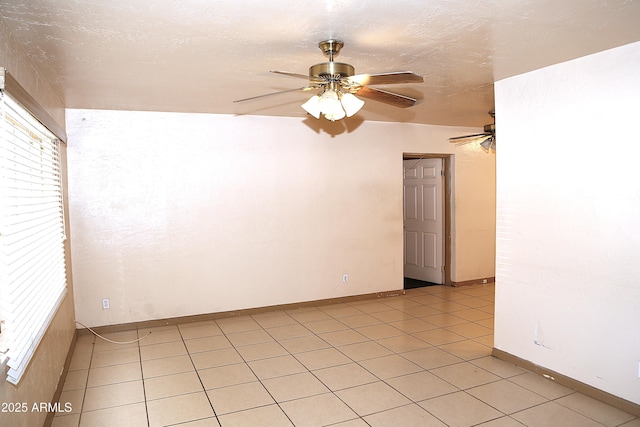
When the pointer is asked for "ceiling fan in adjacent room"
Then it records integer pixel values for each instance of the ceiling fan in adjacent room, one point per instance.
(486, 140)
(337, 84)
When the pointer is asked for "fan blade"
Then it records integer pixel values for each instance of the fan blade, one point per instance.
(471, 138)
(278, 93)
(312, 79)
(394, 99)
(287, 73)
(386, 78)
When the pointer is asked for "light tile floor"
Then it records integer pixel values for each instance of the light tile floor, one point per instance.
(421, 359)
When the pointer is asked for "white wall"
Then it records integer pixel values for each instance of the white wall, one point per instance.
(182, 214)
(568, 219)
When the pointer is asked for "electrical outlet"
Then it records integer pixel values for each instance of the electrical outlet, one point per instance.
(345, 278)
(106, 304)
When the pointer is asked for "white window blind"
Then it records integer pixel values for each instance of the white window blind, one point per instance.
(32, 264)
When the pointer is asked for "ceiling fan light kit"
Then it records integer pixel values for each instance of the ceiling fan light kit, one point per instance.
(337, 83)
(351, 103)
(488, 144)
(486, 140)
(333, 105)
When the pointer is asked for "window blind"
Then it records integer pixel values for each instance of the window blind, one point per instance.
(32, 264)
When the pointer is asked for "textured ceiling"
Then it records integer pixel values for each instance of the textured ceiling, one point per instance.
(200, 55)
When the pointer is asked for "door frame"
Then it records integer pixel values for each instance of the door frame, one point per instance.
(447, 196)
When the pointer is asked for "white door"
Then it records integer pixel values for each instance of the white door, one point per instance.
(423, 220)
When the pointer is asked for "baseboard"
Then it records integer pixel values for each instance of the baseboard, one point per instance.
(586, 389)
(236, 313)
(481, 281)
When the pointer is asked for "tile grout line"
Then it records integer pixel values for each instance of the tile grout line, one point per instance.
(86, 384)
(313, 334)
(144, 386)
(330, 391)
(297, 322)
(204, 390)
(357, 363)
(254, 373)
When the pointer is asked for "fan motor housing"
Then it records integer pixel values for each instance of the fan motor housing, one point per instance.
(325, 69)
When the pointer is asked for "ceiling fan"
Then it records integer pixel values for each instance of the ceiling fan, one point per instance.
(487, 139)
(337, 83)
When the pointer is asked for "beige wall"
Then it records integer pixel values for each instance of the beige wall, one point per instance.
(567, 274)
(474, 205)
(41, 379)
(15, 60)
(182, 214)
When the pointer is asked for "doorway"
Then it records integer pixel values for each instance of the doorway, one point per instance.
(426, 219)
